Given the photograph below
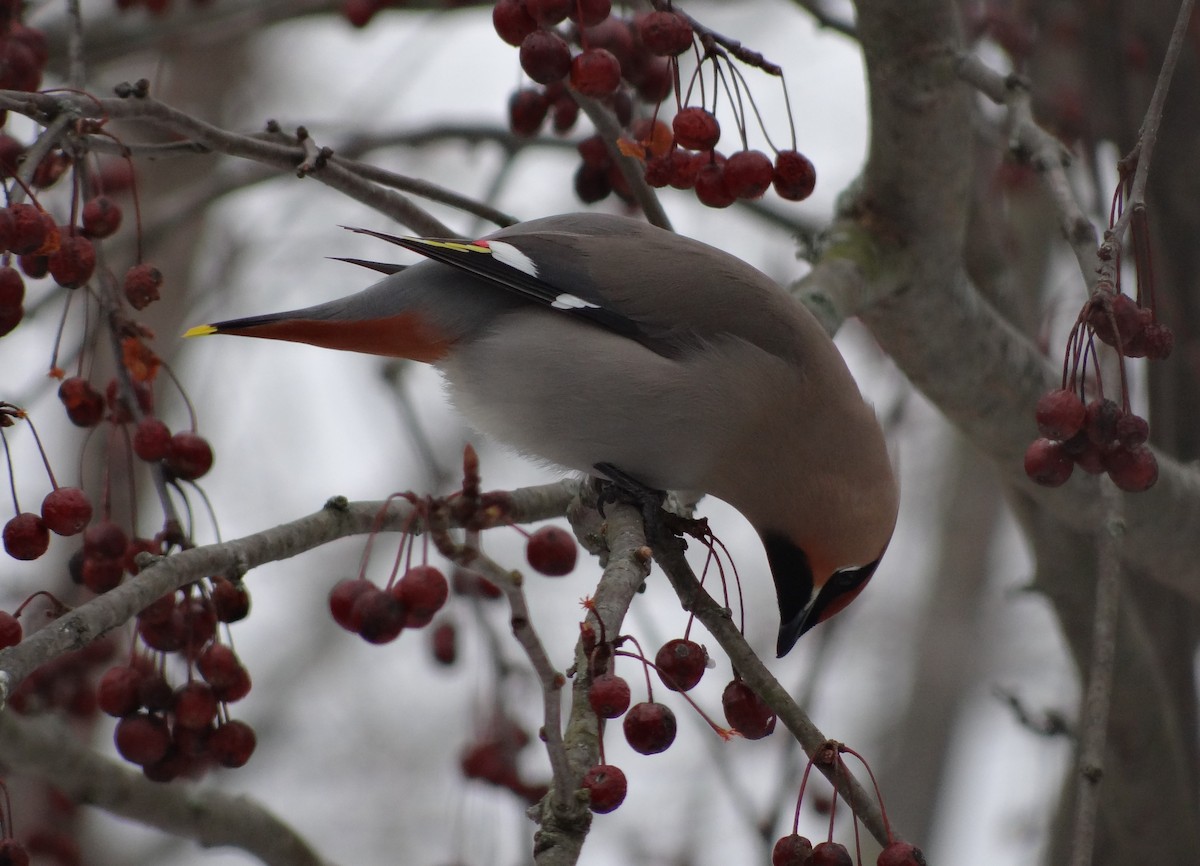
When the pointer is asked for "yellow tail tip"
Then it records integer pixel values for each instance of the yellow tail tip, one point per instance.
(200, 331)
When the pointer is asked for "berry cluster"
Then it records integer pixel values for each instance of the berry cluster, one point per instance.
(631, 62)
(796, 850)
(492, 758)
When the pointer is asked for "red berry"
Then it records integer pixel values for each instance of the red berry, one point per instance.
(1125, 314)
(142, 738)
(358, 12)
(681, 664)
(696, 129)
(102, 573)
(443, 640)
(710, 185)
(13, 853)
(232, 744)
(608, 696)
(654, 135)
(230, 599)
(1132, 468)
(84, 404)
(592, 184)
(194, 706)
(26, 536)
(105, 539)
(1100, 421)
(900, 853)
(220, 667)
(66, 510)
(589, 13)
(380, 617)
(342, 598)
(1048, 463)
(141, 285)
(606, 787)
(547, 13)
(101, 217)
(830, 854)
(527, 111)
(665, 33)
(552, 551)
(595, 73)
(12, 287)
(545, 57)
(594, 152)
(649, 727)
(10, 630)
(422, 591)
(746, 712)
(10, 317)
(564, 111)
(1132, 429)
(748, 174)
(117, 692)
(793, 850)
(1159, 340)
(1060, 414)
(512, 21)
(11, 151)
(151, 439)
(29, 229)
(794, 177)
(189, 456)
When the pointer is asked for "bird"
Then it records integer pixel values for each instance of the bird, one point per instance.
(593, 341)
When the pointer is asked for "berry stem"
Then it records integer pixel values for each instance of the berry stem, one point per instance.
(12, 483)
(878, 794)
(41, 449)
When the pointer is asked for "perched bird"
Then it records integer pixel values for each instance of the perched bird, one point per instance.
(590, 340)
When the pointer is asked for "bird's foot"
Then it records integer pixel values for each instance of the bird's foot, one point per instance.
(616, 485)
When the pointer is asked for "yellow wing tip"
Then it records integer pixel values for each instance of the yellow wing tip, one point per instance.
(200, 331)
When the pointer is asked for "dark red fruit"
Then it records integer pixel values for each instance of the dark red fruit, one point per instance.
(1132, 468)
(105, 539)
(379, 616)
(746, 712)
(342, 598)
(1159, 340)
(545, 57)
(592, 184)
(84, 404)
(12, 287)
(696, 129)
(189, 456)
(681, 664)
(547, 13)
(1060, 414)
(151, 439)
(552, 551)
(589, 13)
(220, 667)
(13, 853)
(793, 850)
(1125, 314)
(794, 176)
(194, 706)
(141, 285)
(665, 33)
(11, 151)
(74, 262)
(830, 854)
(232, 744)
(748, 174)
(422, 592)
(710, 185)
(595, 73)
(649, 727)
(66, 510)
(230, 599)
(527, 111)
(512, 21)
(10, 630)
(101, 217)
(608, 696)
(443, 642)
(1048, 463)
(29, 229)
(10, 317)
(1132, 429)
(142, 738)
(1100, 421)
(606, 787)
(26, 536)
(900, 853)
(117, 692)
(102, 573)
(594, 152)
(564, 111)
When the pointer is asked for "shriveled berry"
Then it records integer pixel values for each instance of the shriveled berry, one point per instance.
(793, 850)
(527, 109)
(101, 217)
(696, 129)
(595, 73)
(232, 744)
(649, 727)
(748, 174)
(681, 664)
(151, 439)
(66, 510)
(141, 285)
(552, 551)
(608, 696)
(1159, 341)
(665, 33)
(26, 536)
(794, 177)
(189, 456)
(830, 854)
(512, 21)
(84, 404)
(422, 592)
(1048, 463)
(117, 692)
(1060, 414)
(10, 630)
(1125, 315)
(29, 229)
(746, 712)
(1132, 468)
(606, 787)
(900, 853)
(1100, 421)
(142, 738)
(545, 57)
